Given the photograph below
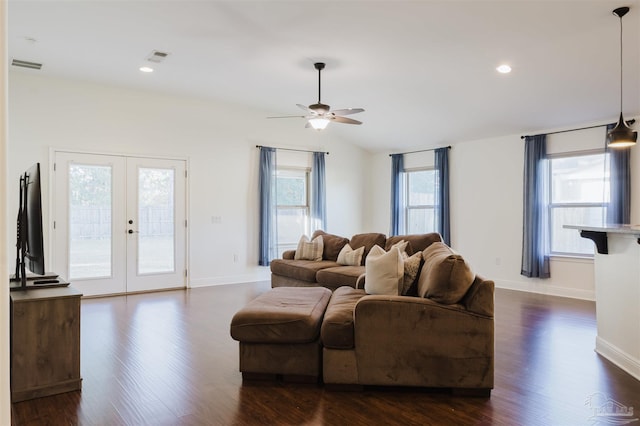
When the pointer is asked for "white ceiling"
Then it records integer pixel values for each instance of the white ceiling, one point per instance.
(424, 71)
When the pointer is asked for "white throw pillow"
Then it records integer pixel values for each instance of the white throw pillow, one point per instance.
(309, 250)
(384, 271)
(402, 246)
(349, 256)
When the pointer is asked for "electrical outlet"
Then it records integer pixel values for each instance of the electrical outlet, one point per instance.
(235, 258)
(216, 219)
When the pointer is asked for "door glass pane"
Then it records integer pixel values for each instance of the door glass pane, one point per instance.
(156, 220)
(89, 221)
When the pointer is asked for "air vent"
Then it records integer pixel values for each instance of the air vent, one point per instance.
(26, 64)
(157, 56)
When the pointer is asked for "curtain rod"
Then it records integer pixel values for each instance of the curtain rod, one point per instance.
(629, 122)
(422, 150)
(290, 149)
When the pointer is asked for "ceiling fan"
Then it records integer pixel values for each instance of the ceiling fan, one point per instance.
(319, 115)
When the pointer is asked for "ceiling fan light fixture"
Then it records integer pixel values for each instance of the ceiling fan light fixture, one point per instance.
(320, 108)
(621, 136)
(319, 115)
(319, 123)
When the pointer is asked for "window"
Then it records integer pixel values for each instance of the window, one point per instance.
(579, 195)
(292, 186)
(420, 201)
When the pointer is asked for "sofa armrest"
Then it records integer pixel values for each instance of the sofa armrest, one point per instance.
(408, 340)
(289, 254)
(360, 281)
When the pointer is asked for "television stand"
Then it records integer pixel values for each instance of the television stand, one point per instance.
(45, 342)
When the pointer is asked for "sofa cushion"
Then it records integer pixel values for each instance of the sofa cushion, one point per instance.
(303, 270)
(339, 276)
(309, 250)
(384, 271)
(289, 254)
(282, 315)
(417, 242)
(479, 298)
(337, 325)
(411, 270)
(332, 244)
(349, 256)
(367, 241)
(445, 276)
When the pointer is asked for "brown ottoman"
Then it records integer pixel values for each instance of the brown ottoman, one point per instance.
(279, 333)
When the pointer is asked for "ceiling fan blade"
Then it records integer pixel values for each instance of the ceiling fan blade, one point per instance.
(289, 116)
(303, 107)
(344, 120)
(347, 111)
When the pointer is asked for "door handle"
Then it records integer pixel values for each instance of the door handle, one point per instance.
(131, 231)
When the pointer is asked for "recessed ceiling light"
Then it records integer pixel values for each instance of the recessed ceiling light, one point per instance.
(504, 69)
(146, 69)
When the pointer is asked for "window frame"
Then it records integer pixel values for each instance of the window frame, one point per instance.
(306, 208)
(551, 205)
(407, 206)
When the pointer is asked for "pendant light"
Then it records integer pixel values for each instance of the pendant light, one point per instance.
(621, 136)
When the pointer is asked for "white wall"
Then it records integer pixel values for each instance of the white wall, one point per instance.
(5, 395)
(486, 209)
(218, 139)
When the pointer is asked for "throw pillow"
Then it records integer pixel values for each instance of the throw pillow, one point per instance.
(411, 269)
(309, 250)
(332, 244)
(402, 246)
(384, 271)
(445, 276)
(349, 256)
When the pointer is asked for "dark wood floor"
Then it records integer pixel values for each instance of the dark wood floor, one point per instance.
(167, 359)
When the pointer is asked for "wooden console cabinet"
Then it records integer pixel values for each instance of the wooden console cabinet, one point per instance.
(45, 342)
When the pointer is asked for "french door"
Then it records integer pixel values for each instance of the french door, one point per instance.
(119, 222)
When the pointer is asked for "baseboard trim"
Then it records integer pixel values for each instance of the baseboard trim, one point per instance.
(618, 357)
(231, 279)
(550, 290)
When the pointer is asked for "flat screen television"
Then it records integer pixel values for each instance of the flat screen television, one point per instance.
(30, 238)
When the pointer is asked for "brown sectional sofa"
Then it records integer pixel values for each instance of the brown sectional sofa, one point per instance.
(442, 336)
(288, 272)
(410, 341)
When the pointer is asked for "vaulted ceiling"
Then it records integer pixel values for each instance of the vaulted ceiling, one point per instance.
(424, 71)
